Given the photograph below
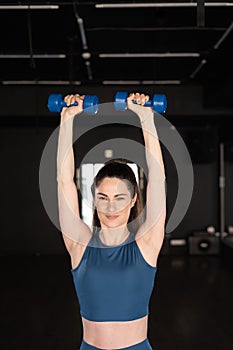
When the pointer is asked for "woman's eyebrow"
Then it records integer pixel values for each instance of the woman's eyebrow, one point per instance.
(102, 194)
(116, 195)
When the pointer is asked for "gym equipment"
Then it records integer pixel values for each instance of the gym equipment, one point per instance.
(230, 229)
(204, 242)
(158, 103)
(174, 245)
(90, 103)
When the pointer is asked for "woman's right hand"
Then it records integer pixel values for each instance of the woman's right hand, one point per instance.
(70, 112)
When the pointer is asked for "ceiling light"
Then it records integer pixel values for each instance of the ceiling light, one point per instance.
(34, 56)
(121, 82)
(141, 82)
(223, 37)
(31, 7)
(39, 82)
(162, 4)
(148, 55)
(161, 82)
(199, 67)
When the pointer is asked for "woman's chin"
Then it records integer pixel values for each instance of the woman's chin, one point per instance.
(109, 223)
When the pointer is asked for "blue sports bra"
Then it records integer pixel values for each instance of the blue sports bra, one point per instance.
(113, 283)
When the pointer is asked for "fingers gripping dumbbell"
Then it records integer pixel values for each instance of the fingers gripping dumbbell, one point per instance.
(158, 103)
(90, 103)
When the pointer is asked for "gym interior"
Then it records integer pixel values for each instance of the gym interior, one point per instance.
(181, 50)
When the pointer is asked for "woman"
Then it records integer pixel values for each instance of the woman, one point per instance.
(114, 267)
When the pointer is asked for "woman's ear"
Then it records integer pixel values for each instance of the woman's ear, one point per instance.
(133, 200)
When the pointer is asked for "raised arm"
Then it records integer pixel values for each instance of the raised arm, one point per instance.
(153, 227)
(74, 230)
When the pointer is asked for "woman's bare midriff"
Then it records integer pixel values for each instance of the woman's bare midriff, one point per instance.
(114, 335)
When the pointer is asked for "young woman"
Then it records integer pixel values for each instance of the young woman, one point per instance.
(113, 267)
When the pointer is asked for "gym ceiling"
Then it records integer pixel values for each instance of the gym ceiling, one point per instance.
(116, 42)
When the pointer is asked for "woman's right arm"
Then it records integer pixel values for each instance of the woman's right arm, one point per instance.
(74, 230)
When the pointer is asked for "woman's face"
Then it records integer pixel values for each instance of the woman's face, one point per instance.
(113, 202)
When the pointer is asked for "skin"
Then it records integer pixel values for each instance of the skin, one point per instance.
(113, 204)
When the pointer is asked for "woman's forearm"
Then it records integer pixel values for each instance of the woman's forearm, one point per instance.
(65, 154)
(153, 151)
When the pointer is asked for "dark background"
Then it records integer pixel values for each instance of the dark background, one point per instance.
(191, 305)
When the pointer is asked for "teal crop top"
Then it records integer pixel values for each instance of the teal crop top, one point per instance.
(113, 283)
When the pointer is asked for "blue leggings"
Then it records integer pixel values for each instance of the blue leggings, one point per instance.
(144, 345)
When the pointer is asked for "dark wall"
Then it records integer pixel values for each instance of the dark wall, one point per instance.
(25, 226)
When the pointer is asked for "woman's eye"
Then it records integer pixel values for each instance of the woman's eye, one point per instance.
(120, 198)
(102, 198)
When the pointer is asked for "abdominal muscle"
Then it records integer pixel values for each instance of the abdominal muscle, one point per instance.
(114, 335)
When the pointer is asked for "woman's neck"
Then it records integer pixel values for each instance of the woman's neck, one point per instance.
(113, 236)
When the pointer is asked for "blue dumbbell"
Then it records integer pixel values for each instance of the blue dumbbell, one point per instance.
(158, 103)
(90, 103)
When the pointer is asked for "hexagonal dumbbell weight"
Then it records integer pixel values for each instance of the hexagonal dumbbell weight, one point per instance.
(90, 103)
(158, 103)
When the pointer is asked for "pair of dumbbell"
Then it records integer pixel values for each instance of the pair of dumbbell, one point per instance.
(91, 103)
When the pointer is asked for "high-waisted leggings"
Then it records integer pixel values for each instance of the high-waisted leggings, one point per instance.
(144, 345)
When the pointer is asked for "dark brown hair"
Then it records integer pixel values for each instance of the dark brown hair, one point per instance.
(118, 168)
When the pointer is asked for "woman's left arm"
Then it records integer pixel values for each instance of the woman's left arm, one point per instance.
(153, 227)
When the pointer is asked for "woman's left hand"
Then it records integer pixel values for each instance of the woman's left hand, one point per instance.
(138, 108)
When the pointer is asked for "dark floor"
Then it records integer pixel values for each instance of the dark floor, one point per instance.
(191, 305)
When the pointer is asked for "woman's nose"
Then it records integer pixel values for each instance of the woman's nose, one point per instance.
(111, 206)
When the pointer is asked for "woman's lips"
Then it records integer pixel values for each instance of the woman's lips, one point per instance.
(112, 217)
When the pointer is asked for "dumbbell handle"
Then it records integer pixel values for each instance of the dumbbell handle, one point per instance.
(63, 104)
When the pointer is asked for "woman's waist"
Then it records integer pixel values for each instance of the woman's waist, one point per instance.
(113, 335)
